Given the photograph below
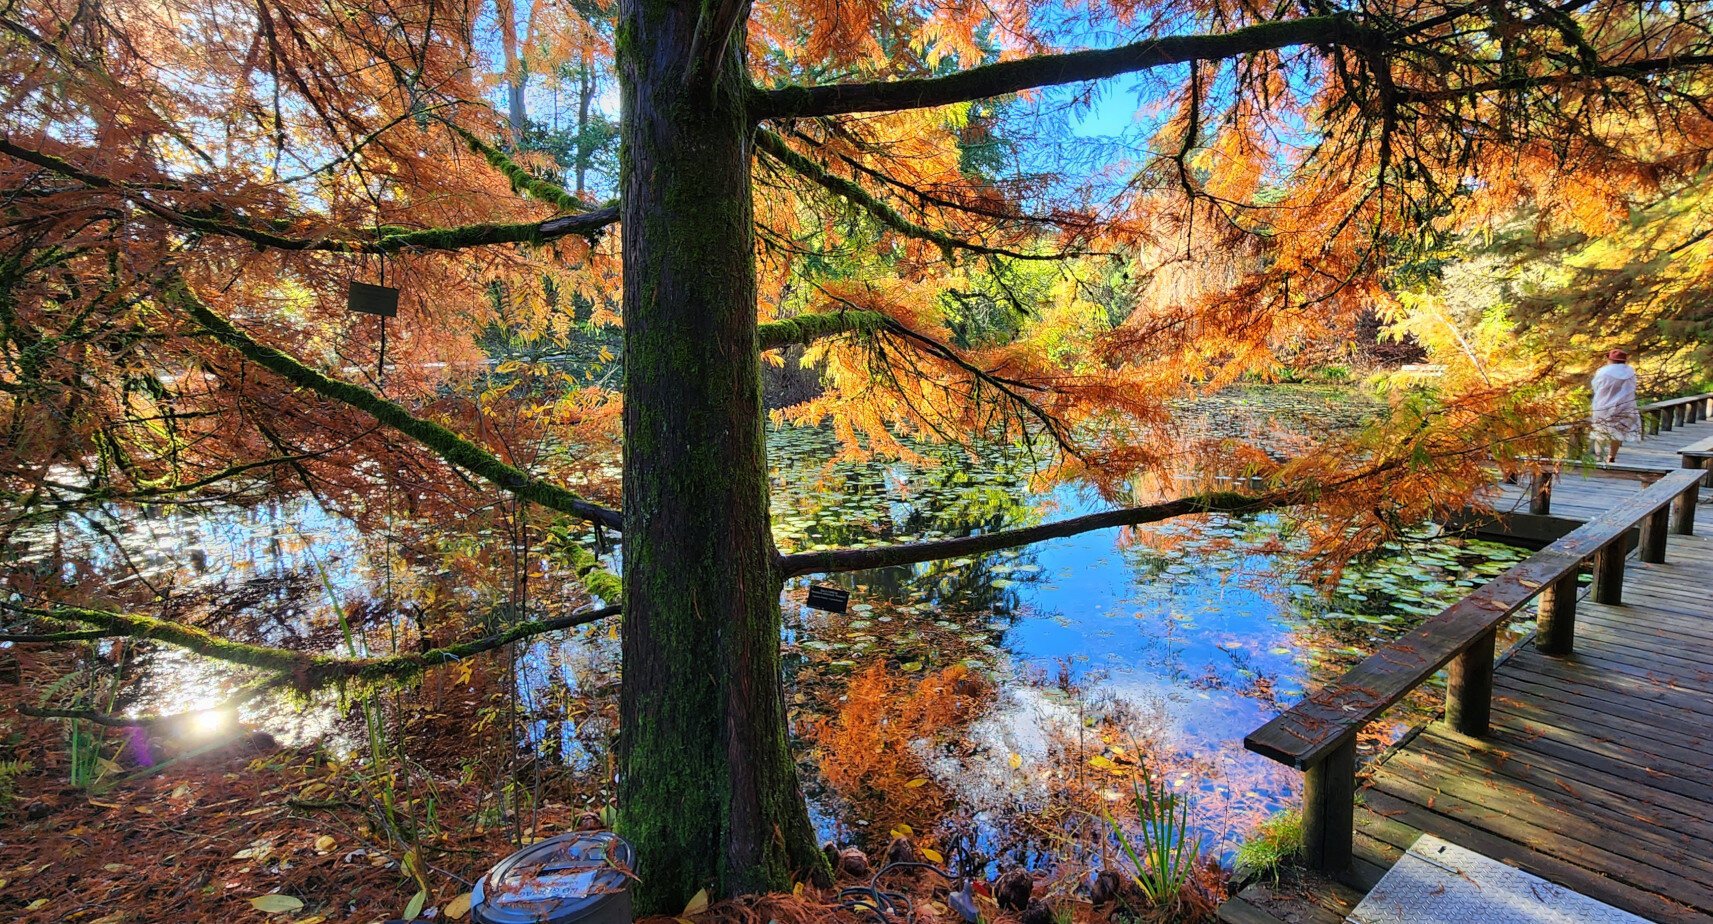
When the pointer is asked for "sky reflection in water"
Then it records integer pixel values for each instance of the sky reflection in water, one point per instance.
(1178, 642)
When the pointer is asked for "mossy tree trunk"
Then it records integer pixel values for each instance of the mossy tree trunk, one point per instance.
(708, 790)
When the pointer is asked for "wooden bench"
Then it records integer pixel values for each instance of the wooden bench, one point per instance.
(1695, 455)
(1318, 734)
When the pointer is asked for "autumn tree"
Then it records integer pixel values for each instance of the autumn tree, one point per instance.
(191, 186)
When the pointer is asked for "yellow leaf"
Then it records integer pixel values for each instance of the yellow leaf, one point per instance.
(1016, 761)
(275, 903)
(698, 903)
(35, 904)
(115, 867)
(510, 365)
(932, 855)
(325, 843)
(916, 783)
(312, 919)
(458, 907)
(797, 889)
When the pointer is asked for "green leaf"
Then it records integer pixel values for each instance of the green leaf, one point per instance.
(414, 907)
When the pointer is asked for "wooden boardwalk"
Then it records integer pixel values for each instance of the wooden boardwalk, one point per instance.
(1597, 773)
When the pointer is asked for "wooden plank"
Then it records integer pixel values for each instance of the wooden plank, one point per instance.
(1621, 793)
(1316, 725)
(1569, 751)
(1238, 910)
(1527, 698)
(1654, 683)
(1572, 815)
(1702, 448)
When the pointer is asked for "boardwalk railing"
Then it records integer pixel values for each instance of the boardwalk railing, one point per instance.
(1318, 734)
(1675, 412)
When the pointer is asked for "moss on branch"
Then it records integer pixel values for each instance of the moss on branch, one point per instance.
(805, 329)
(523, 182)
(443, 442)
(305, 670)
(1006, 77)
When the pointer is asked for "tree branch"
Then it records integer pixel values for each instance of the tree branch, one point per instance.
(775, 147)
(391, 240)
(522, 180)
(909, 553)
(305, 670)
(443, 442)
(805, 329)
(1051, 70)
(244, 694)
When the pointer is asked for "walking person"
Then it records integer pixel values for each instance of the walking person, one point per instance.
(1615, 416)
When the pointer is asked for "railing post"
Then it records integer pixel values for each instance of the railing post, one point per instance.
(1683, 510)
(1609, 572)
(1540, 493)
(1469, 687)
(1653, 537)
(1555, 617)
(1650, 423)
(1679, 415)
(1329, 810)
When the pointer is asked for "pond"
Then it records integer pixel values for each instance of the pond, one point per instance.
(998, 703)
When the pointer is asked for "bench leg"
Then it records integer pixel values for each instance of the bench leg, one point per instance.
(1329, 811)
(1654, 530)
(1555, 619)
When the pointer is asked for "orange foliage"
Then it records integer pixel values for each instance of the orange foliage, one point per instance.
(865, 748)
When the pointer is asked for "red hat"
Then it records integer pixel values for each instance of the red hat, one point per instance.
(1617, 356)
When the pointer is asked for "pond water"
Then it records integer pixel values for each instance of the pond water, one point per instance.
(998, 703)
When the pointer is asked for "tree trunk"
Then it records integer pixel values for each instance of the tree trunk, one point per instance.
(708, 791)
(516, 76)
(585, 96)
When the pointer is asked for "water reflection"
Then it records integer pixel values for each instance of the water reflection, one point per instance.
(994, 701)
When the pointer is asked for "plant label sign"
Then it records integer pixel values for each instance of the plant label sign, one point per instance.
(830, 599)
(372, 299)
